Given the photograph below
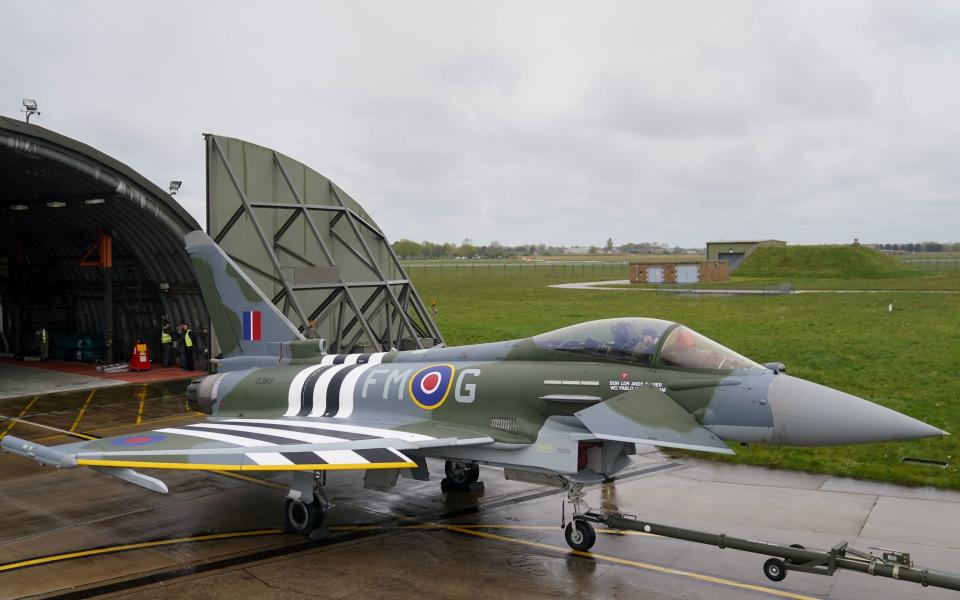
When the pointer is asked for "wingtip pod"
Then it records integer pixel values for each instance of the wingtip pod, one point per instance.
(45, 455)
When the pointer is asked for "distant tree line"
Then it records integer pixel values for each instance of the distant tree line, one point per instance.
(409, 249)
(921, 247)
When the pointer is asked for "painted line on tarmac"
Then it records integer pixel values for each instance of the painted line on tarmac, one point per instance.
(62, 432)
(55, 558)
(632, 563)
(16, 419)
(142, 395)
(83, 409)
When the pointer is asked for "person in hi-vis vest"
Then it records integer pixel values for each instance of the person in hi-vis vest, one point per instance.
(166, 342)
(186, 348)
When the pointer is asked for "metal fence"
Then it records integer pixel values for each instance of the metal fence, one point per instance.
(546, 269)
(935, 265)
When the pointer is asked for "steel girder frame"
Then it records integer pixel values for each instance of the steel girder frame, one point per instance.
(312, 249)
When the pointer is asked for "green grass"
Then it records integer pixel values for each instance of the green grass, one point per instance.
(906, 360)
(822, 262)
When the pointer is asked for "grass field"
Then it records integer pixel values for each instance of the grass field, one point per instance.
(906, 359)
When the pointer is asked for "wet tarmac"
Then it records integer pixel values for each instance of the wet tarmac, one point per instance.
(77, 533)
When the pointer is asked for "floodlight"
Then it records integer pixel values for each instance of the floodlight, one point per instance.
(175, 187)
(30, 108)
(56, 204)
(19, 207)
(94, 201)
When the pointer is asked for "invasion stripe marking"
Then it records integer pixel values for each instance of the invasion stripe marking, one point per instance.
(339, 359)
(268, 458)
(333, 390)
(320, 389)
(343, 435)
(327, 359)
(272, 440)
(349, 386)
(215, 436)
(310, 438)
(294, 394)
(380, 455)
(303, 458)
(342, 457)
(306, 394)
(377, 431)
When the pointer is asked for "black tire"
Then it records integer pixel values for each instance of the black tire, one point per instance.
(302, 518)
(774, 569)
(580, 535)
(462, 473)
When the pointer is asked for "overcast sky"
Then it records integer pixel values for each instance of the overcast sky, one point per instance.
(553, 122)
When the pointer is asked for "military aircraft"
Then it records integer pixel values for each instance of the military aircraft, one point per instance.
(566, 407)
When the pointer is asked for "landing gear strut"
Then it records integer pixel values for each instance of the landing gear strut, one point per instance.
(306, 505)
(579, 532)
(462, 476)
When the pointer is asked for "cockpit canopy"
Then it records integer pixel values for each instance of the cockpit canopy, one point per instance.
(644, 341)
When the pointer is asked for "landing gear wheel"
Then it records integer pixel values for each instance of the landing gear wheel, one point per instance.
(774, 569)
(301, 518)
(580, 535)
(462, 473)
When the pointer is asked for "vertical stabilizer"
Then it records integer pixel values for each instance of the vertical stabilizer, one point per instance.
(244, 320)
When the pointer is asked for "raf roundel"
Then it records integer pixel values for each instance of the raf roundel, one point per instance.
(430, 386)
(139, 440)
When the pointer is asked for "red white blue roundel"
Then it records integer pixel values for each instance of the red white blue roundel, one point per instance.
(430, 386)
(139, 439)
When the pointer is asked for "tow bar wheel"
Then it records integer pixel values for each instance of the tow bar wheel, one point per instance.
(774, 569)
(580, 535)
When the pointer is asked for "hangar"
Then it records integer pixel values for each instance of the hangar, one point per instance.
(93, 252)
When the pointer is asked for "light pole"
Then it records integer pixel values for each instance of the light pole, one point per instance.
(30, 108)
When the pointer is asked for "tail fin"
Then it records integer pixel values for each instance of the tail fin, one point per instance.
(245, 321)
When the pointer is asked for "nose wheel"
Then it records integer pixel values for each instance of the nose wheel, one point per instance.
(580, 535)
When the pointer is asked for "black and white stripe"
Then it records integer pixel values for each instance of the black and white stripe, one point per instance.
(328, 389)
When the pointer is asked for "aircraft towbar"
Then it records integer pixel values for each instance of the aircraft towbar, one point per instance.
(891, 564)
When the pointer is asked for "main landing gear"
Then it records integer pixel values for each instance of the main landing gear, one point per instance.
(579, 532)
(461, 475)
(306, 505)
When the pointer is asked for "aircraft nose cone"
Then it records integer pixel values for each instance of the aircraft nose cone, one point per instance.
(810, 414)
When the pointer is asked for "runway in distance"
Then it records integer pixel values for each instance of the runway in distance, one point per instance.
(562, 408)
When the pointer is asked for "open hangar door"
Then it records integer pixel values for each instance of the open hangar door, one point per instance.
(89, 250)
(312, 249)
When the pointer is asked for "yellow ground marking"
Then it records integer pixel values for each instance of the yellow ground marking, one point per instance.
(473, 529)
(83, 409)
(632, 563)
(112, 427)
(247, 478)
(20, 416)
(143, 396)
(82, 553)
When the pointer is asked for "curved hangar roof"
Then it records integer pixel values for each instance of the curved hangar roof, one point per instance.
(57, 195)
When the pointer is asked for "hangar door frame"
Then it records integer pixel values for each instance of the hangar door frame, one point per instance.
(320, 256)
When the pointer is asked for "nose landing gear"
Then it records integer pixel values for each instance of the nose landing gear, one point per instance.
(579, 532)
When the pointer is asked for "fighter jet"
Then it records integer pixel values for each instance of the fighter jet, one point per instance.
(567, 407)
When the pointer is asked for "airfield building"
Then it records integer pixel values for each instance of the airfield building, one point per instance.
(735, 252)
